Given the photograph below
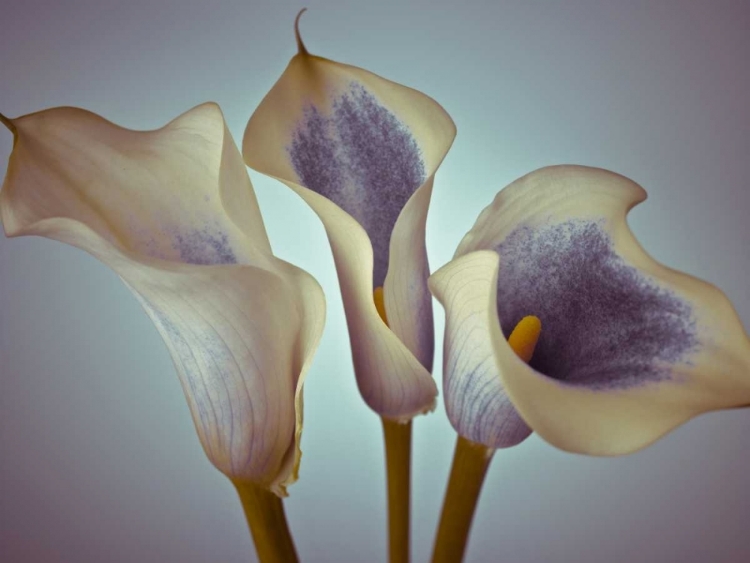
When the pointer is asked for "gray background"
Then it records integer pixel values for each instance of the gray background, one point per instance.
(98, 457)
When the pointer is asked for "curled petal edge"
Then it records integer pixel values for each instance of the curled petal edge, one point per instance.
(476, 403)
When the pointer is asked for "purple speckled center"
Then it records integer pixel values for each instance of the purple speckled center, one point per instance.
(207, 247)
(604, 324)
(362, 158)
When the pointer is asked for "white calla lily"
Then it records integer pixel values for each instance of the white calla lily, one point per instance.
(557, 321)
(173, 212)
(629, 349)
(362, 151)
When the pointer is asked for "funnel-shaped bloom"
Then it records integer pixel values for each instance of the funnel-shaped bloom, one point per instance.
(362, 151)
(629, 349)
(173, 212)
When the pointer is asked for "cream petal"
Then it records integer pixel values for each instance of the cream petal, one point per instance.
(629, 348)
(241, 325)
(362, 151)
(408, 302)
(476, 403)
(391, 380)
(179, 193)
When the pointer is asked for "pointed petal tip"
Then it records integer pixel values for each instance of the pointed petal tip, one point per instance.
(9, 124)
(301, 49)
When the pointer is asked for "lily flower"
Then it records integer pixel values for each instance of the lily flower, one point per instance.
(173, 212)
(362, 152)
(626, 349)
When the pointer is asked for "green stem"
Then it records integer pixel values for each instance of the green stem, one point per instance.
(267, 521)
(470, 463)
(398, 465)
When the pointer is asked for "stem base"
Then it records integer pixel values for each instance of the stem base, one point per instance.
(398, 465)
(267, 521)
(470, 463)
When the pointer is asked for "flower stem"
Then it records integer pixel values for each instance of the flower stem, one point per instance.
(398, 465)
(265, 516)
(470, 463)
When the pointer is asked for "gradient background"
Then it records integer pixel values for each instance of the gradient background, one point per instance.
(99, 460)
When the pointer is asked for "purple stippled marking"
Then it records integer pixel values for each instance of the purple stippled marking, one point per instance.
(185, 358)
(362, 158)
(204, 247)
(604, 324)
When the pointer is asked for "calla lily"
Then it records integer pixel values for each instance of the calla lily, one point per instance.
(620, 349)
(629, 349)
(173, 212)
(362, 151)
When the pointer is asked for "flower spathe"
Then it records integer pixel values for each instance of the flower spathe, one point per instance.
(629, 349)
(362, 151)
(172, 211)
